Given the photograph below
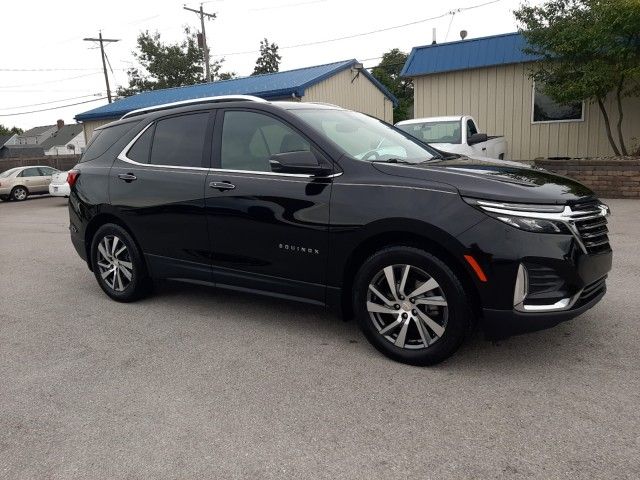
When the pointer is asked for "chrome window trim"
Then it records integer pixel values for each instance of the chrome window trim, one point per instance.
(273, 174)
(123, 157)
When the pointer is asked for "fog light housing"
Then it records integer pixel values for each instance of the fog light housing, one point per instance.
(521, 287)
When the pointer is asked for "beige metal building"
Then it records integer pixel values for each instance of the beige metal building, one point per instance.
(488, 78)
(343, 83)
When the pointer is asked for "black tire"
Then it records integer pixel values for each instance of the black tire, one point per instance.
(19, 193)
(4, 198)
(139, 284)
(453, 321)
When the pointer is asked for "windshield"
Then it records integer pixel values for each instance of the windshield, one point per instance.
(8, 173)
(434, 132)
(365, 138)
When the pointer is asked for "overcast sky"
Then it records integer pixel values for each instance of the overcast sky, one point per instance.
(45, 60)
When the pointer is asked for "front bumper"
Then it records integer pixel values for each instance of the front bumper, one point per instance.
(563, 280)
(505, 323)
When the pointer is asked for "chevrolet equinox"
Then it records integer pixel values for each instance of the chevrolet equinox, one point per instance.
(316, 203)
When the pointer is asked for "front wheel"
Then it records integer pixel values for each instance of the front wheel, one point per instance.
(19, 193)
(411, 306)
(118, 264)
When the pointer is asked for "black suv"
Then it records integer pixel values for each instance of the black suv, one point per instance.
(316, 203)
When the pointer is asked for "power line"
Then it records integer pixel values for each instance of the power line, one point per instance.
(51, 108)
(102, 41)
(47, 69)
(50, 81)
(362, 34)
(52, 101)
(288, 5)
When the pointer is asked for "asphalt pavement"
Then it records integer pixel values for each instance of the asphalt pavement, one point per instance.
(195, 382)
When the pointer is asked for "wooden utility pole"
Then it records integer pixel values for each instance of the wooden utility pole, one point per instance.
(205, 49)
(104, 62)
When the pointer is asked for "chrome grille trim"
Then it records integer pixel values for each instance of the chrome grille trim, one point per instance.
(574, 218)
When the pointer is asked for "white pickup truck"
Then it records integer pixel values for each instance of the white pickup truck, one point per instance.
(455, 134)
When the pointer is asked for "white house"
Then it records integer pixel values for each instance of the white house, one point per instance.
(36, 135)
(68, 140)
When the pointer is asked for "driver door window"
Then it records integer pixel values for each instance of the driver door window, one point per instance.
(249, 139)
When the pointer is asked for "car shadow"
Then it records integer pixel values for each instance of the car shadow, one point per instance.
(516, 353)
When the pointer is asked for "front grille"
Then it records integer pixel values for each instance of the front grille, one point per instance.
(591, 226)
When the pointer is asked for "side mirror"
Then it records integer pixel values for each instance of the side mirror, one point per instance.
(304, 162)
(477, 138)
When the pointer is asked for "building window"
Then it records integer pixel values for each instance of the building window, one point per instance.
(546, 110)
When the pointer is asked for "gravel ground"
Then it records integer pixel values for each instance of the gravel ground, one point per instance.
(195, 382)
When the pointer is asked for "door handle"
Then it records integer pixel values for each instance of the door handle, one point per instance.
(127, 177)
(222, 185)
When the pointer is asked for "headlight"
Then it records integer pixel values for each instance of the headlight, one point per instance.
(533, 224)
(528, 217)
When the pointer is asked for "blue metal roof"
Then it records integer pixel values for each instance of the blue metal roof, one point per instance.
(270, 86)
(467, 54)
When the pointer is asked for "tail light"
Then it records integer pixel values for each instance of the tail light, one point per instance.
(72, 177)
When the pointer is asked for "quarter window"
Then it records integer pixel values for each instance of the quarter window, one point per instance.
(104, 139)
(545, 109)
(249, 139)
(179, 141)
(139, 152)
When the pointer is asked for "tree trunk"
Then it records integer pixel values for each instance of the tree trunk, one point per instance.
(607, 125)
(623, 147)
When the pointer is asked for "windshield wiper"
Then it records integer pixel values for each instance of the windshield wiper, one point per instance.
(392, 160)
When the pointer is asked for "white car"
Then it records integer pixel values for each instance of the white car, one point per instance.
(59, 186)
(455, 134)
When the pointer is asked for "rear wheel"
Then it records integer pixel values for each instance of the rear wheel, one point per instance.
(19, 194)
(118, 265)
(411, 306)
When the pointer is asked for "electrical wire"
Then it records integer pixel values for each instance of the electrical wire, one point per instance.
(52, 101)
(362, 34)
(51, 108)
(50, 81)
(48, 69)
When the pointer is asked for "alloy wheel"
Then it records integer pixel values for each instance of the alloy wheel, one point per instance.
(19, 194)
(407, 306)
(114, 263)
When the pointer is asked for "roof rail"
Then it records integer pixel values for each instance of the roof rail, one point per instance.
(193, 101)
(326, 104)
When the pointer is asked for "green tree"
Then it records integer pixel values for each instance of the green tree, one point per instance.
(166, 65)
(388, 73)
(590, 49)
(269, 59)
(8, 131)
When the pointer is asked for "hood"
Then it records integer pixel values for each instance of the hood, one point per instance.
(498, 180)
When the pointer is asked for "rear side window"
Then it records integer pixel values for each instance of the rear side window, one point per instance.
(31, 172)
(179, 141)
(139, 152)
(103, 139)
